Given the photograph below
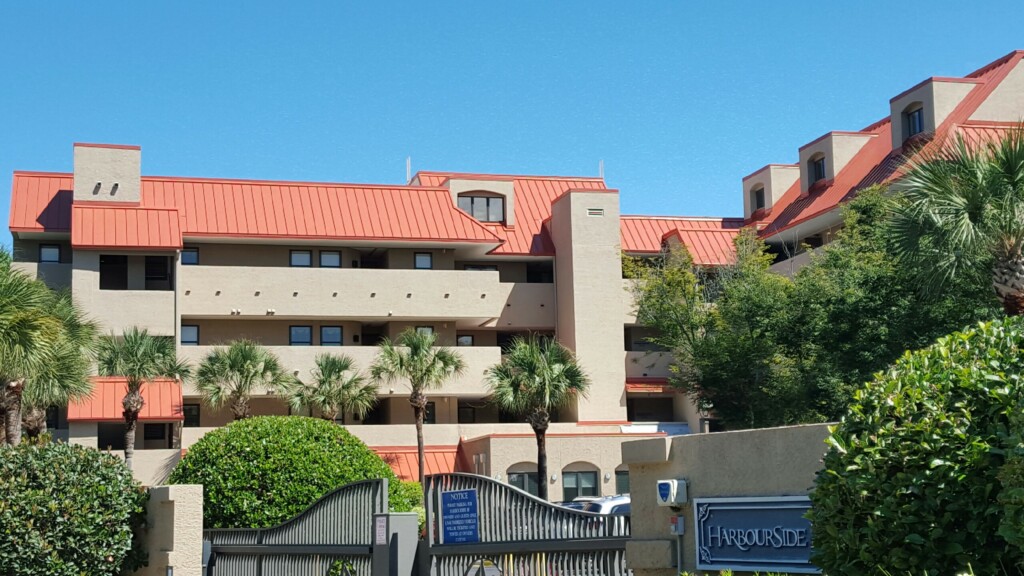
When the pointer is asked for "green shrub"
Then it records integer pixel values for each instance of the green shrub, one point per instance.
(261, 471)
(911, 482)
(67, 510)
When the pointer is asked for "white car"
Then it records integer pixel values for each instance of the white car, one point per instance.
(615, 505)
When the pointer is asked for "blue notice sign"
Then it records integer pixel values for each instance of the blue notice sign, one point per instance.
(754, 534)
(460, 517)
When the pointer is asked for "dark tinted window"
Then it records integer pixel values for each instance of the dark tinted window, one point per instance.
(113, 272)
(300, 336)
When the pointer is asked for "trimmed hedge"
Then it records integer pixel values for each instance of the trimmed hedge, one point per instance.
(912, 480)
(260, 471)
(67, 510)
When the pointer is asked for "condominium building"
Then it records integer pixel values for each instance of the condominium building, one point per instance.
(477, 259)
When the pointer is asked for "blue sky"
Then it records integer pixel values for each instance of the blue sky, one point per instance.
(680, 99)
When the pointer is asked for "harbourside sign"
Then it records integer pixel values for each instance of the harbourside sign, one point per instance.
(753, 534)
(460, 517)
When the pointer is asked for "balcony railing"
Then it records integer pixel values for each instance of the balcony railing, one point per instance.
(300, 360)
(364, 293)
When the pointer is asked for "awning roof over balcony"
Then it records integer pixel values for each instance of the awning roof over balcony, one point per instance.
(162, 401)
(405, 460)
(649, 385)
(131, 228)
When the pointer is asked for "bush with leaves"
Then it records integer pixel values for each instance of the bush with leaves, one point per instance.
(67, 510)
(911, 482)
(261, 471)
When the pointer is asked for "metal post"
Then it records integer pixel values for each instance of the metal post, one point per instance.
(395, 542)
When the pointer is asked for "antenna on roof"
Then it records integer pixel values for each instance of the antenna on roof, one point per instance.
(600, 168)
(408, 169)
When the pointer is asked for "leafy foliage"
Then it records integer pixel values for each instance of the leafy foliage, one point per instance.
(964, 214)
(67, 510)
(336, 387)
(229, 376)
(260, 471)
(911, 481)
(760, 349)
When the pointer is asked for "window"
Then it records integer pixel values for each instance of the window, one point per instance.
(158, 273)
(430, 414)
(817, 169)
(423, 261)
(540, 273)
(622, 481)
(113, 272)
(759, 198)
(914, 121)
(191, 412)
(189, 335)
(464, 340)
(481, 267)
(330, 259)
(331, 336)
(576, 484)
(301, 258)
(525, 481)
(483, 208)
(154, 431)
(427, 330)
(189, 256)
(49, 253)
(300, 336)
(467, 413)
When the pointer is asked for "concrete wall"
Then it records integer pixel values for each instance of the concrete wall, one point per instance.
(107, 173)
(56, 276)
(116, 310)
(588, 270)
(769, 462)
(1006, 103)
(264, 255)
(174, 531)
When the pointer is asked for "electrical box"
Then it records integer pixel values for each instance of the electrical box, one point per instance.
(677, 525)
(671, 492)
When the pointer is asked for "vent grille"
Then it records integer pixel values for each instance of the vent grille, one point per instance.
(595, 211)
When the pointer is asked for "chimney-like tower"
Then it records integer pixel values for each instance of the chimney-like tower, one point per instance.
(108, 173)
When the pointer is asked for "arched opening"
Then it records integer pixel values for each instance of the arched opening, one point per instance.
(622, 479)
(483, 206)
(913, 120)
(580, 479)
(523, 475)
(757, 200)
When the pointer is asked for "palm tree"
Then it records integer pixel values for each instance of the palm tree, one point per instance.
(66, 376)
(535, 378)
(412, 357)
(964, 213)
(138, 357)
(336, 388)
(29, 336)
(231, 375)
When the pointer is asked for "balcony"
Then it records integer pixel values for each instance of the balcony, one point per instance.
(116, 310)
(302, 359)
(477, 297)
(648, 364)
(53, 274)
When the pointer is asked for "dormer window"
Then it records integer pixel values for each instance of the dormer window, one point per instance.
(913, 120)
(816, 168)
(483, 208)
(757, 195)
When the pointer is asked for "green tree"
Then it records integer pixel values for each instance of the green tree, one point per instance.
(229, 376)
(965, 213)
(66, 376)
(536, 377)
(336, 388)
(412, 357)
(138, 357)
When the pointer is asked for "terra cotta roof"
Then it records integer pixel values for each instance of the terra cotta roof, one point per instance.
(162, 399)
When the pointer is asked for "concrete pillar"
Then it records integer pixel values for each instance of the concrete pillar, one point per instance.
(174, 531)
(588, 287)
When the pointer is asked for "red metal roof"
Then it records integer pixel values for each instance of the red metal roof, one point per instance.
(105, 226)
(877, 162)
(533, 198)
(404, 460)
(649, 385)
(241, 208)
(162, 399)
(709, 240)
